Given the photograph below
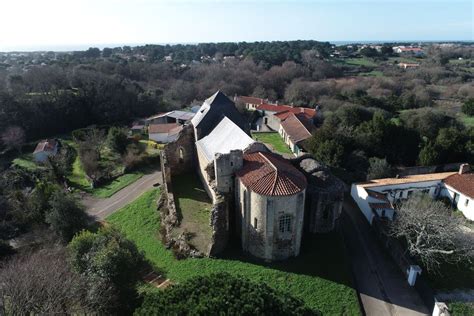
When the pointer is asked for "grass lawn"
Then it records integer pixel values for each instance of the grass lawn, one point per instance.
(194, 208)
(318, 276)
(116, 185)
(26, 161)
(274, 140)
(361, 62)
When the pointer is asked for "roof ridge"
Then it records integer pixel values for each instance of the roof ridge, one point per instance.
(274, 168)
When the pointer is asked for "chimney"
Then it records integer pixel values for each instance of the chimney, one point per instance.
(464, 168)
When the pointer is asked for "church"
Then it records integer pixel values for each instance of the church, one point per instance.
(265, 201)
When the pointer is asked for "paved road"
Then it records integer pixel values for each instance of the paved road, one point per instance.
(382, 286)
(101, 208)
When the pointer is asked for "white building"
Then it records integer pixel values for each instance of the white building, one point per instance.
(377, 197)
(164, 133)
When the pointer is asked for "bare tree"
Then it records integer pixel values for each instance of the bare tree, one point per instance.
(14, 137)
(42, 283)
(432, 234)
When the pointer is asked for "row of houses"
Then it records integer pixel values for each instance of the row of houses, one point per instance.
(377, 198)
(294, 124)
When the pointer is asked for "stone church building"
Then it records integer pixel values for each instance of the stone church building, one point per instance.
(264, 200)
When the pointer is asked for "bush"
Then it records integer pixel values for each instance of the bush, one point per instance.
(378, 169)
(108, 256)
(468, 107)
(117, 139)
(66, 216)
(222, 294)
(5, 249)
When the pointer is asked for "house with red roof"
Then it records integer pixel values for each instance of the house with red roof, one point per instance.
(251, 103)
(274, 114)
(295, 129)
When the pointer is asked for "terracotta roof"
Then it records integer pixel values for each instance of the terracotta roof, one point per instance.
(45, 145)
(310, 113)
(251, 100)
(379, 206)
(377, 195)
(464, 183)
(269, 174)
(406, 179)
(297, 128)
(162, 128)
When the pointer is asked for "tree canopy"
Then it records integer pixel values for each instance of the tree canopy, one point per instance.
(222, 294)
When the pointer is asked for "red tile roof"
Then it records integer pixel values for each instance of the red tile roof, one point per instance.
(310, 113)
(251, 100)
(379, 206)
(377, 195)
(464, 183)
(46, 145)
(162, 128)
(269, 174)
(297, 127)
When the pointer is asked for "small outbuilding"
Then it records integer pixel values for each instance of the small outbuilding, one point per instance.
(164, 133)
(45, 148)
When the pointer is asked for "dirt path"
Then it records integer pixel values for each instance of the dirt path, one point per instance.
(101, 208)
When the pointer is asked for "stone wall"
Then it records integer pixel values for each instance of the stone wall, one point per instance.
(324, 195)
(225, 166)
(219, 222)
(259, 226)
(179, 155)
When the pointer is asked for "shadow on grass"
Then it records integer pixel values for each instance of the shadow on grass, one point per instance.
(321, 255)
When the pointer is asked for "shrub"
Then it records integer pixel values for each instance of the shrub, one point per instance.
(468, 107)
(378, 169)
(66, 216)
(222, 294)
(117, 139)
(108, 256)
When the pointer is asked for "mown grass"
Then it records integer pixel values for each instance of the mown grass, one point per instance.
(319, 276)
(274, 140)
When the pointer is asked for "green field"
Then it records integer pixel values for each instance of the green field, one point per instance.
(461, 308)
(367, 62)
(274, 140)
(319, 276)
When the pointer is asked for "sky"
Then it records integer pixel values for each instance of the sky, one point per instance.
(78, 24)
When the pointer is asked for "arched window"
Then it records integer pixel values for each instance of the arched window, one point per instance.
(284, 225)
(181, 154)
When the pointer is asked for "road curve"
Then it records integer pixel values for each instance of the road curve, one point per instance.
(101, 208)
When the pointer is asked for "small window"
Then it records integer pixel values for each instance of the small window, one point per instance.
(285, 224)
(255, 223)
(383, 213)
(466, 203)
(231, 163)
